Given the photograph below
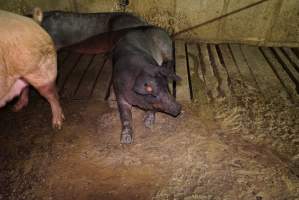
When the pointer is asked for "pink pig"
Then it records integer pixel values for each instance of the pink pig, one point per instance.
(27, 56)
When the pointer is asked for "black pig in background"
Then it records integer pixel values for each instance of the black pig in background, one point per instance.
(68, 28)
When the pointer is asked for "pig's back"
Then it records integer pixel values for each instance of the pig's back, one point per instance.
(23, 43)
(151, 41)
(23, 29)
(134, 42)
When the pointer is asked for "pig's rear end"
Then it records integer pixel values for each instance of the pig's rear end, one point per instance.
(27, 55)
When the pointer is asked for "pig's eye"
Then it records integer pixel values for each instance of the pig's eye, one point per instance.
(148, 88)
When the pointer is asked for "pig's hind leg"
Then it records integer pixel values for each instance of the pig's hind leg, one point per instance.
(43, 79)
(50, 93)
(23, 100)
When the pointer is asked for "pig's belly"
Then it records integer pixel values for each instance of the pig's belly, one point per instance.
(15, 90)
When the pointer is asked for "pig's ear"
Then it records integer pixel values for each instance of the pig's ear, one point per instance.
(38, 15)
(168, 64)
(164, 70)
(175, 77)
(170, 74)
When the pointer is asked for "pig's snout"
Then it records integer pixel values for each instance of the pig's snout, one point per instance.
(170, 106)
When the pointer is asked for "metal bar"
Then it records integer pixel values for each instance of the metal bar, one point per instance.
(204, 71)
(290, 59)
(220, 56)
(174, 69)
(188, 72)
(83, 75)
(276, 73)
(285, 67)
(217, 18)
(69, 74)
(250, 70)
(235, 61)
(215, 72)
(97, 77)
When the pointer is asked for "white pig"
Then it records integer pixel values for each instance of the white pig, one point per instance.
(27, 56)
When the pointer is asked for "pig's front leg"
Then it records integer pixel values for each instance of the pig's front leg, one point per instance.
(149, 119)
(125, 112)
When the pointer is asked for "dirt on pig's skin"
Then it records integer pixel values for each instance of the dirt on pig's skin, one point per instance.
(188, 157)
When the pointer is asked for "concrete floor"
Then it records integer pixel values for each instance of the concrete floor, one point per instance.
(237, 137)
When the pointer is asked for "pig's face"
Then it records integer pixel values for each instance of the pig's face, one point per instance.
(153, 88)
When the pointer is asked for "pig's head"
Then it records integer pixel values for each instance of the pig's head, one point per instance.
(152, 86)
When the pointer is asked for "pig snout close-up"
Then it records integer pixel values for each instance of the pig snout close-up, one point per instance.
(140, 78)
(27, 57)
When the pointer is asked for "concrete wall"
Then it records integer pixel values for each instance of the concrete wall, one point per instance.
(26, 6)
(275, 22)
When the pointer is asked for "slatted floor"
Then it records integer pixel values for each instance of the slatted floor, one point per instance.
(83, 77)
(207, 72)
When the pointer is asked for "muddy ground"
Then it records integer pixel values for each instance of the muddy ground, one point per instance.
(194, 156)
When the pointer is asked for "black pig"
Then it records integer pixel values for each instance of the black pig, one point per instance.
(140, 77)
(68, 28)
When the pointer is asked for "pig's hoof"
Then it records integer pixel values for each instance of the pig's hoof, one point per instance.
(57, 121)
(126, 136)
(149, 120)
